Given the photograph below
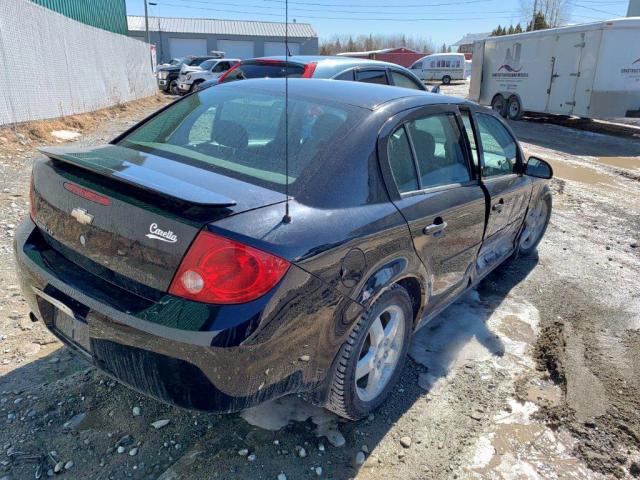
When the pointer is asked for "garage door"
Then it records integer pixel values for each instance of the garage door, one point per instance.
(272, 49)
(236, 48)
(181, 47)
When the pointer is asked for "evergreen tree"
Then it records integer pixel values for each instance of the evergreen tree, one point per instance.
(539, 23)
(511, 30)
(518, 29)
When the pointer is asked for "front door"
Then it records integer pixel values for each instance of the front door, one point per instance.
(508, 190)
(442, 202)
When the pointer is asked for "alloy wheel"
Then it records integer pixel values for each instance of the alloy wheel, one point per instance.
(534, 226)
(380, 353)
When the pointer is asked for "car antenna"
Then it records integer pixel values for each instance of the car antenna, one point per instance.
(287, 217)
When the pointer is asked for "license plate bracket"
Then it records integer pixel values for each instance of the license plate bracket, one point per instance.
(72, 329)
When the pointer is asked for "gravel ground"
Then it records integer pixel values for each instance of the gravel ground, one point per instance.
(532, 375)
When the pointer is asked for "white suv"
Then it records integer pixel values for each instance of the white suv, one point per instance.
(190, 78)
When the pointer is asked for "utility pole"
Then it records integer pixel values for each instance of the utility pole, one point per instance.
(146, 27)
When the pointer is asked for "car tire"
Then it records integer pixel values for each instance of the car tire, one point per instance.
(352, 397)
(499, 105)
(173, 87)
(514, 109)
(196, 86)
(446, 80)
(535, 225)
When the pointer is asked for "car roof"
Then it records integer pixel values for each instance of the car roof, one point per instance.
(364, 95)
(335, 60)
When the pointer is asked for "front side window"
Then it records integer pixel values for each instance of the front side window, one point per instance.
(241, 134)
(401, 161)
(401, 80)
(207, 64)
(499, 149)
(468, 127)
(373, 76)
(221, 67)
(439, 150)
(417, 66)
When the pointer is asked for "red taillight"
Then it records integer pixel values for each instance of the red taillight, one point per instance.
(87, 194)
(226, 74)
(309, 69)
(220, 270)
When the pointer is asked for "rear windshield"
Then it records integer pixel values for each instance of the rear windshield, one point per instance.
(241, 133)
(264, 70)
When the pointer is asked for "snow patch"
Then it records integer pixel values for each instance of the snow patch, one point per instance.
(474, 330)
(66, 135)
(279, 413)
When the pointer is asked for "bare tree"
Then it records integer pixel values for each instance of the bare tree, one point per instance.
(555, 12)
(348, 43)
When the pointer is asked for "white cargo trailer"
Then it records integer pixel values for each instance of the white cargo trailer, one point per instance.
(590, 70)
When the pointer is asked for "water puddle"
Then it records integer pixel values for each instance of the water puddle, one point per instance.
(580, 174)
(621, 162)
(521, 448)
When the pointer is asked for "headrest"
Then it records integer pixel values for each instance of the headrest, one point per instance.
(230, 134)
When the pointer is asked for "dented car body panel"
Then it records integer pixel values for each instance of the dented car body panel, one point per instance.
(351, 236)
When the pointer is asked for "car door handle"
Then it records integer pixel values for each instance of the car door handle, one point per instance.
(498, 206)
(436, 228)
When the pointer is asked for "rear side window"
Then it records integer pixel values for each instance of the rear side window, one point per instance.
(401, 162)
(499, 149)
(264, 70)
(372, 76)
(241, 134)
(348, 76)
(401, 80)
(439, 151)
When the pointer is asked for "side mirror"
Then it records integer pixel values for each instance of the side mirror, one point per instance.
(436, 89)
(538, 168)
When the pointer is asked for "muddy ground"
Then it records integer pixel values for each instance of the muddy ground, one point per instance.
(532, 375)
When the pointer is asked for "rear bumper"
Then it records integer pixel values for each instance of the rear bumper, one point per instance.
(183, 367)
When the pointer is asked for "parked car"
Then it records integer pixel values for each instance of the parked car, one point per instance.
(168, 76)
(442, 67)
(207, 70)
(185, 259)
(337, 68)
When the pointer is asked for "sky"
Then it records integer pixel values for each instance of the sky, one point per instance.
(441, 21)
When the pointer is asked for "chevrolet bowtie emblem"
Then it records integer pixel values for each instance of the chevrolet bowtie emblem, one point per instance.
(81, 215)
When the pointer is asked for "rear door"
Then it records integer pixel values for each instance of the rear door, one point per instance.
(566, 70)
(500, 162)
(438, 195)
(377, 75)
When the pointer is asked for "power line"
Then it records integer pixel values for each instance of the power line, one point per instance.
(298, 9)
(386, 19)
(396, 6)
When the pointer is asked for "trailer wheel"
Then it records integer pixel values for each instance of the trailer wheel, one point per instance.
(499, 105)
(514, 108)
(446, 79)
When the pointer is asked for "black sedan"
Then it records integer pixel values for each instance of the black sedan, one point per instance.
(213, 258)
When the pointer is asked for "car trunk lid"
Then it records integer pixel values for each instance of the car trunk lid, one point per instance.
(132, 212)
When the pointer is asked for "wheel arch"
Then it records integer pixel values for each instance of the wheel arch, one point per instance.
(397, 271)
